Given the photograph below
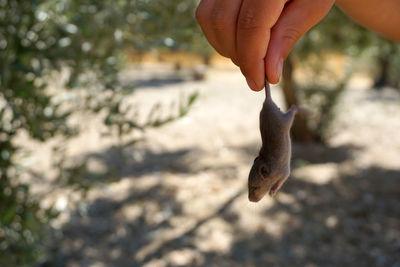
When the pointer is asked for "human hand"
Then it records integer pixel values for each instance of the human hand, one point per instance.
(258, 35)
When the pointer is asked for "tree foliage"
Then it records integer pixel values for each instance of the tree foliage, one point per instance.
(46, 45)
(321, 89)
(166, 26)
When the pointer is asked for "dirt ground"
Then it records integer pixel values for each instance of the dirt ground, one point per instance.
(178, 197)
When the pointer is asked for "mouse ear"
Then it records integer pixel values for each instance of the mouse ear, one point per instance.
(264, 171)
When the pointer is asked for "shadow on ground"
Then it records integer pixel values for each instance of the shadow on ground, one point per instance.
(158, 82)
(115, 162)
(353, 220)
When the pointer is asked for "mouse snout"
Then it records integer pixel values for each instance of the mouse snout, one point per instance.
(253, 189)
(254, 195)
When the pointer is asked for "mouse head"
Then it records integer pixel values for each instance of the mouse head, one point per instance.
(261, 178)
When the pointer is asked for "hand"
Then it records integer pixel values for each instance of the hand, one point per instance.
(258, 35)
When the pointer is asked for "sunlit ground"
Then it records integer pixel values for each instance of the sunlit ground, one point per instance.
(178, 197)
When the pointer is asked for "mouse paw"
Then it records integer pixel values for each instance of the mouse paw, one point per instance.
(275, 188)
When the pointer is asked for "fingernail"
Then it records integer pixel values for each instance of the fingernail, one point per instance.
(279, 68)
(251, 84)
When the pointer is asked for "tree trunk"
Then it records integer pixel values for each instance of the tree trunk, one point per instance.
(300, 130)
(207, 59)
(383, 77)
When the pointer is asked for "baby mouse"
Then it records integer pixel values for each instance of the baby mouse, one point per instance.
(271, 167)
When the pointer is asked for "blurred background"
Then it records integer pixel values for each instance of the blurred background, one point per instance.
(126, 141)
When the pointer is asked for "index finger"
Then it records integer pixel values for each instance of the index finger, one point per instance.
(255, 21)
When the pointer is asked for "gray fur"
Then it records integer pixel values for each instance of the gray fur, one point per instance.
(271, 167)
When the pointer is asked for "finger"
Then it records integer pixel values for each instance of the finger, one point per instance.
(296, 19)
(203, 16)
(223, 24)
(255, 20)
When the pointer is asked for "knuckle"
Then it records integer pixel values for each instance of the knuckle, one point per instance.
(248, 20)
(219, 20)
(245, 67)
(222, 52)
(235, 61)
(291, 35)
(201, 15)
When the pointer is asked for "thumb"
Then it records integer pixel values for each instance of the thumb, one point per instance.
(295, 20)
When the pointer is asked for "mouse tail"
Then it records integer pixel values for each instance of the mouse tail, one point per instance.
(267, 88)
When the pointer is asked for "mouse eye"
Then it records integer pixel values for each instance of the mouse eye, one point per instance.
(255, 159)
(264, 171)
